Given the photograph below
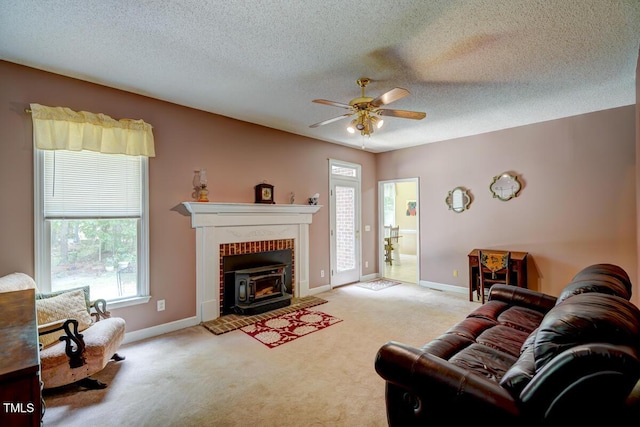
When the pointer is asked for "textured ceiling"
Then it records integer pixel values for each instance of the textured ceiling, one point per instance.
(473, 66)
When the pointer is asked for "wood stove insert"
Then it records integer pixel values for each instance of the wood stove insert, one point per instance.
(259, 289)
(258, 282)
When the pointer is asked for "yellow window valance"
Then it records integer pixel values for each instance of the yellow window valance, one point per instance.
(60, 128)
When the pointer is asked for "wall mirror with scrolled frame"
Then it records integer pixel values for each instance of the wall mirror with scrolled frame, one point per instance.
(458, 200)
(505, 186)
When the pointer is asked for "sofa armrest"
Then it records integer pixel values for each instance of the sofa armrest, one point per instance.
(597, 378)
(74, 342)
(522, 297)
(421, 386)
(100, 307)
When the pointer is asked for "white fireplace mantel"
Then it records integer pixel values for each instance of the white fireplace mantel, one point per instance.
(248, 208)
(220, 223)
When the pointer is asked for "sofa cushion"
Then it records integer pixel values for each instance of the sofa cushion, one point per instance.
(446, 345)
(522, 297)
(483, 360)
(586, 318)
(603, 278)
(472, 327)
(490, 310)
(523, 318)
(594, 283)
(458, 337)
(85, 289)
(503, 338)
(613, 271)
(67, 305)
(514, 315)
(530, 341)
(520, 373)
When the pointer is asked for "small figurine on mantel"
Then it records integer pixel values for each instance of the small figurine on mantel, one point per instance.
(314, 199)
(200, 182)
(292, 198)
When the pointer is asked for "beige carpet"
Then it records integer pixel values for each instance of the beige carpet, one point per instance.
(192, 377)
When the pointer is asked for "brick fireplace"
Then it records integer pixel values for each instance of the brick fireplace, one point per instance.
(235, 228)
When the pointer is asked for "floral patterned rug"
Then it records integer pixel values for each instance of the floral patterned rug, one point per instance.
(288, 327)
(231, 322)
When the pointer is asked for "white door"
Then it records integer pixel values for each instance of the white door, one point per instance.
(345, 222)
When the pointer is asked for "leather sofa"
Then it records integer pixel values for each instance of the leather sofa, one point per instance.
(525, 357)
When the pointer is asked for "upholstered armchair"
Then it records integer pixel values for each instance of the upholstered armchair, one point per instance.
(78, 337)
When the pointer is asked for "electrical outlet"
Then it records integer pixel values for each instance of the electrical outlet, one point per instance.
(455, 273)
(366, 264)
(161, 305)
(321, 273)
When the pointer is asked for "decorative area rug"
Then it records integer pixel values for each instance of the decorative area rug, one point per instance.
(377, 284)
(288, 327)
(231, 322)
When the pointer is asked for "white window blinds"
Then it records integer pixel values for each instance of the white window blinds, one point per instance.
(86, 184)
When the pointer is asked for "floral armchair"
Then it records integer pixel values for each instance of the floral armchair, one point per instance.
(78, 337)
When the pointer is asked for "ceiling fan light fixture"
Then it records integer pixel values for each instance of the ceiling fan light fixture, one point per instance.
(367, 110)
(354, 125)
(376, 121)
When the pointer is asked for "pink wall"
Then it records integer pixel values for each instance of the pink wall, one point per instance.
(576, 207)
(636, 297)
(237, 156)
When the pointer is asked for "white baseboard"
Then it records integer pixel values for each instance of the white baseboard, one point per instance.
(325, 288)
(319, 289)
(160, 329)
(444, 287)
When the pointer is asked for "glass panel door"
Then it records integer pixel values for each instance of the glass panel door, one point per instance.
(345, 224)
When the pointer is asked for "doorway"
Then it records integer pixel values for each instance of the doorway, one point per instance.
(344, 196)
(399, 207)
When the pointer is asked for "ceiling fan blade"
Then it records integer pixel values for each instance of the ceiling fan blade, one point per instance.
(388, 97)
(335, 119)
(332, 103)
(402, 113)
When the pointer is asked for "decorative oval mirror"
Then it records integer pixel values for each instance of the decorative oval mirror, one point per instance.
(505, 186)
(458, 200)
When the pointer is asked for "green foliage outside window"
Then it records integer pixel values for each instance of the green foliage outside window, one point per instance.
(94, 252)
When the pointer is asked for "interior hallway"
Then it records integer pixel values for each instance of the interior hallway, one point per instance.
(405, 271)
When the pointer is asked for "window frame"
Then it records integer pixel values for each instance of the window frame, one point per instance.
(42, 236)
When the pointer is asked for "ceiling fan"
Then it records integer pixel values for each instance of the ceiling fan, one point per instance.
(368, 109)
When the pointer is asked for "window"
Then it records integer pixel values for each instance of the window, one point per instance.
(344, 170)
(92, 224)
(91, 203)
